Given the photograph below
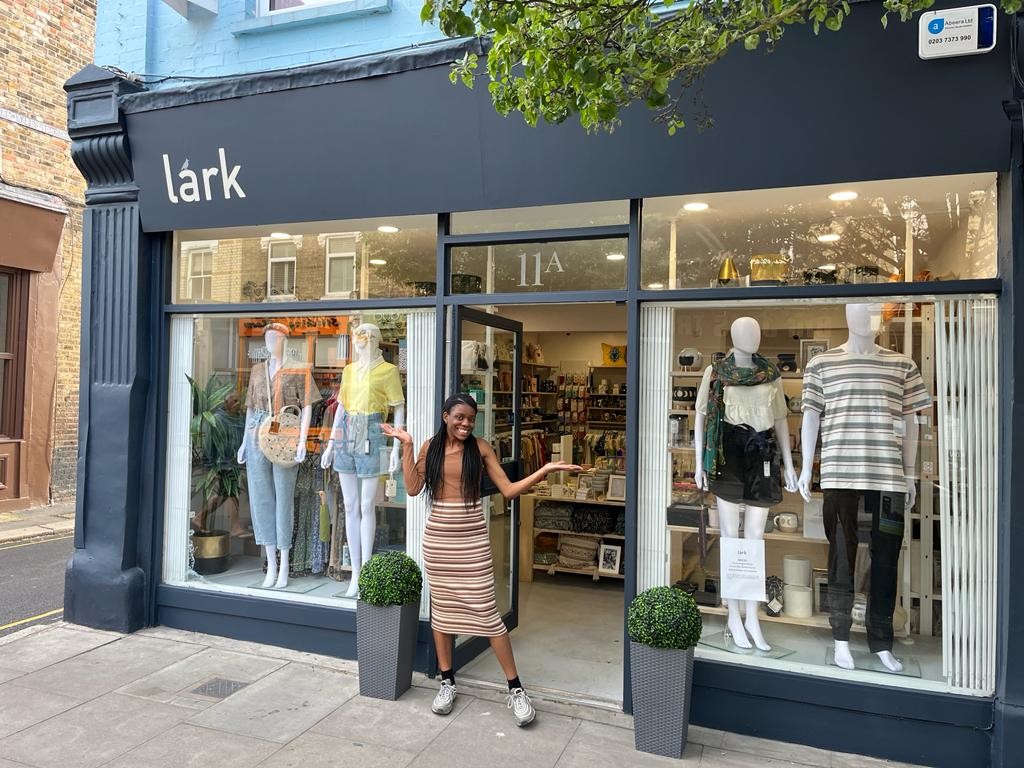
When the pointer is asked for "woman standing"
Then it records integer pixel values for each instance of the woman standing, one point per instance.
(456, 547)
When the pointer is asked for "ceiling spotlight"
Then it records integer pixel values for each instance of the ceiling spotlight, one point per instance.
(616, 257)
(279, 236)
(378, 262)
(844, 196)
(695, 207)
(387, 229)
(828, 237)
(656, 286)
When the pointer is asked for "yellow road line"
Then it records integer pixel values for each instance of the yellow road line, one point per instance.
(19, 622)
(42, 540)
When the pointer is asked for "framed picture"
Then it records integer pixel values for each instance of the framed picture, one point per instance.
(609, 559)
(616, 488)
(809, 348)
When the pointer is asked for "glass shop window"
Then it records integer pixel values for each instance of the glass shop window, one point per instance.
(276, 456)
(566, 216)
(905, 230)
(830, 492)
(384, 257)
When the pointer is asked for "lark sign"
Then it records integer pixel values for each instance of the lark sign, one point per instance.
(957, 32)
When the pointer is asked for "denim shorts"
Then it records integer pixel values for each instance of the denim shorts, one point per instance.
(357, 455)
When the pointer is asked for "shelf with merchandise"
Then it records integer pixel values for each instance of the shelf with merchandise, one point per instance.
(592, 572)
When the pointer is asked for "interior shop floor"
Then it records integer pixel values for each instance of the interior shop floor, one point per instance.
(569, 638)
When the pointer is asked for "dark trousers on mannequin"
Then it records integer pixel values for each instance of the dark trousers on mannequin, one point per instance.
(839, 514)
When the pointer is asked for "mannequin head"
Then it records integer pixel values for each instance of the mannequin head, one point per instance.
(864, 319)
(746, 335)
(274, 336)
(367, 338)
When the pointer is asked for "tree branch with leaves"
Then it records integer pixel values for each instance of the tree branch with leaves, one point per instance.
(552, 59)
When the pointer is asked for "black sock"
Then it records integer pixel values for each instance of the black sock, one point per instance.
(514, 683)
(448, 675)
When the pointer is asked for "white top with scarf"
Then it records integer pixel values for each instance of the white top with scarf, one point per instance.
(758, 406)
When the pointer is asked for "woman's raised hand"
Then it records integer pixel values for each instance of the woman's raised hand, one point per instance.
(561, 466)
(398, 433)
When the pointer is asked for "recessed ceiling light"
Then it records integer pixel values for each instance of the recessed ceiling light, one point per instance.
(387, 229)
(616, 257)
(279, 236)
(844, 196)
(828, 237)
(378, 262)
(656, 286)
(695, 207)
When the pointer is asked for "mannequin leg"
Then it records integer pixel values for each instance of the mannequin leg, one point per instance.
(271, 552)
(753, 528)
(729, 520)
(839, 513)
(361, 527)
(282, 574)
(284, 516)
(886, 542)
(353, 505)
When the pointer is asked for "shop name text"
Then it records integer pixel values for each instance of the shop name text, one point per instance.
(189, 189)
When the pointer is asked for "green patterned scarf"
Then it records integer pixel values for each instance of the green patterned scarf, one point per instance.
(726, 373)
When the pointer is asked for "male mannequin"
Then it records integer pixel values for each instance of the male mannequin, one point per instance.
(272, 488)
(369, 388)
(751, 409)
(867, 398)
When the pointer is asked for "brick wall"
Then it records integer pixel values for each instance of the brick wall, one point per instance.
(43, 43)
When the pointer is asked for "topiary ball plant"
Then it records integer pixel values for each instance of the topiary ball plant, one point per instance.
(663, 617)
(390, 578)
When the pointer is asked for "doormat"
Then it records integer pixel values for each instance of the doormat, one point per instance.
(723, 643)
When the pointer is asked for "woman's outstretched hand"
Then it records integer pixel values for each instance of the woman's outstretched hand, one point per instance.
(561, 466)
(398, 433)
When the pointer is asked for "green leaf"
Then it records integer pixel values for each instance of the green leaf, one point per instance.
(833, 23)
(750, 42)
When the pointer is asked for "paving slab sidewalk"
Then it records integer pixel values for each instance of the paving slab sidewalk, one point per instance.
(37, 523)
(72, 697)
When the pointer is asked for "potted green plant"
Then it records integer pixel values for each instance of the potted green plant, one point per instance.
(664, 626)
(217, 428)
(387, 620)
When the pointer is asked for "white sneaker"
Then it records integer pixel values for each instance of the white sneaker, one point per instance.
(445, 699)
(521, 707)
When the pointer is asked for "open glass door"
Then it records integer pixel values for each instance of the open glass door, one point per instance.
(485, 362)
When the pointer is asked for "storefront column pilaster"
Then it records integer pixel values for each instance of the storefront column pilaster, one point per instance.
(106, 580)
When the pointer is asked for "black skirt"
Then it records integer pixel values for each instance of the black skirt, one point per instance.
(751, 472)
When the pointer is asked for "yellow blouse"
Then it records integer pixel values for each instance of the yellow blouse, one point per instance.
(373, 389)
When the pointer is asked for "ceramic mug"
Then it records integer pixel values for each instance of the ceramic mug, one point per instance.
(787, 522)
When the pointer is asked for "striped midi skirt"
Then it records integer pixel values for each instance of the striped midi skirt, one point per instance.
(460, 570)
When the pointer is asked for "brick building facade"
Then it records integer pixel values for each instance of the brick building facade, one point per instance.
(42, 43)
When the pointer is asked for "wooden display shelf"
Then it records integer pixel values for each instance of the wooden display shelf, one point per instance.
(573, 500)
(609, 394)
(535, 365)
(604, 408)
(676, 449)
(605, 424)
(774, 535)
(574, 533)
(818, 620)
(681, 412)
(592, 572)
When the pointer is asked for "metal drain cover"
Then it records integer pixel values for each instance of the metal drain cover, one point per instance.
(219, 688)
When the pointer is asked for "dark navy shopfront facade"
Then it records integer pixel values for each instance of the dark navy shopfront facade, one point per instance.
(837, 108)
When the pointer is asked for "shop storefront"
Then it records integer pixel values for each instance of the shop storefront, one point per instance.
(367, 222)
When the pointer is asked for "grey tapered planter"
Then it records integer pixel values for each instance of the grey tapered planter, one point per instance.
(662, 681)
(385, 648)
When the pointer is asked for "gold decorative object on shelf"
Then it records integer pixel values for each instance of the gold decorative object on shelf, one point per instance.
(769, 269)
(728, 274)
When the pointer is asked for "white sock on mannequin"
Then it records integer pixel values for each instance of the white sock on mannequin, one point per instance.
(844, 658)
(271, 551)
(753, 625)
(889, 661)
(739, 634)
(282, 576)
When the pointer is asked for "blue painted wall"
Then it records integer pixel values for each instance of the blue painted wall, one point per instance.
(149, 37)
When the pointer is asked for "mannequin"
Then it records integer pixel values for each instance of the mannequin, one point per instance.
(369, 388)
(272, 488)
(765, 404)
(885, 390)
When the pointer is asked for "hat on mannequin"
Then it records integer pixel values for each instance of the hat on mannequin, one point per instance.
(279, 327)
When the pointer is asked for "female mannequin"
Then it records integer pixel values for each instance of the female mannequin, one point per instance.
(369, 388)
(271, 487)
(752, 392)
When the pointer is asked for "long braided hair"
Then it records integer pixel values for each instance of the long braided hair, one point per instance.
(472, 461)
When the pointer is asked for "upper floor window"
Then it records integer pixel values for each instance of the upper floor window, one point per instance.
(200, 274)
(340, 275)
(273, 6)
(281, 270)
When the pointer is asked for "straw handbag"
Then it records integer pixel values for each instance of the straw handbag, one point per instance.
(278, 434)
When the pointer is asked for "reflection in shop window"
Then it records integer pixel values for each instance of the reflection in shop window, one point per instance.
(909, 230)
(341, 264)
(281, 271)
(200, 274)
(259, 497)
